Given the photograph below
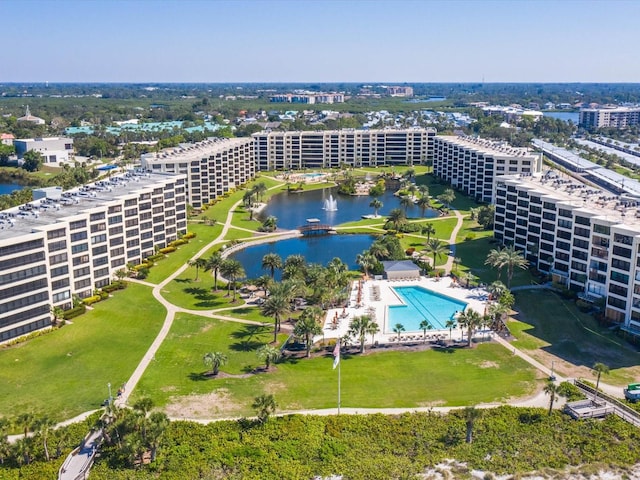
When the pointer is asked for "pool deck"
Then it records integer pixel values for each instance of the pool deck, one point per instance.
(377, 295)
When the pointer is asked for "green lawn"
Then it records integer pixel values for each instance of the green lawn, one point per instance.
(165, 267)
(65, 372)
(487, 373)
(553, 328)
(184, 291)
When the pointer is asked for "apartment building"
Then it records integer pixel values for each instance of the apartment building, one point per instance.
(331, 149)
(472, 164)
(585, 238)
(213, 167)
(614, 117)
(70, 243)
(309, 98)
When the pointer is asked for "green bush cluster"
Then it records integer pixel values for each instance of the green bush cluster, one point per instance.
(74, 312)
(166, 250)
(91, 300)
(116, 285)
(177, 243)
(154, 258)
(189, 235)
(507, 440)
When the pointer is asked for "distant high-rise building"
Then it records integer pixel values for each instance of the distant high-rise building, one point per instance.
(614, 117)
(400, 91)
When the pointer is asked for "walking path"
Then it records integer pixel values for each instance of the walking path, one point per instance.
(78, 464)
(452, 241)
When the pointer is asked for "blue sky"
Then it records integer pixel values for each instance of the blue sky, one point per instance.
(320, 41)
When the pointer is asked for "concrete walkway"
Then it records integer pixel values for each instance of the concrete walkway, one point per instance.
(78, 464)
(452, 241)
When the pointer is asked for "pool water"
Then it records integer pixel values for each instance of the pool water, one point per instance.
(422, 304)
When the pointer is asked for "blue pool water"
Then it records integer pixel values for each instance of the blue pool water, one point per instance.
(313, 175)
(105, 168)
(422, 304)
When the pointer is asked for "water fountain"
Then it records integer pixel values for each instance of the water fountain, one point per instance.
(330, 204)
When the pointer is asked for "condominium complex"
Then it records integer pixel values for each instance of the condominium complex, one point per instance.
(308, 97)
(615, 117)
(213, 167)
(472, 164)
(399, 91)
(585, 238)
(70, 243)
(331, 149)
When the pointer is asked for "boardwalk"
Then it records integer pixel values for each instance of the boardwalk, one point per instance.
(78, 463)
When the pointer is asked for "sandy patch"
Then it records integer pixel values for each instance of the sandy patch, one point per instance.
(488, 364)
(210, 405)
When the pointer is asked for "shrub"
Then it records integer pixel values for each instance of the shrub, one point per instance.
(570, 392)
(409, 251)
(74, 312)
(91, 300)
(189, 235)
(155, 258)
(167, 250)
(470, 237)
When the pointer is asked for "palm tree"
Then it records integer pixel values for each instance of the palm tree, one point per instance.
(360, 327)
(271, 261)
(268, 354)
(471, 320)
(198, 263)
(406, 202)
(260, 189)
(456, 262)
(270, 224)
(436, 248)
(424, 326)
(471, 414)
(513, 258)
(428, 230)
(214, 360)
(366, 261)
(423, 203)
(307, 326)
(376, 205)
(265, 406)
(25, 421)
(447, 197)
(495, 260)
(44, 426)
(552, 390)
(276, 306)
(468, 277)
(399, 328)
(213, 263)
(156, 426)
(496, 289)
(424, 190)
(295, 266)
(450, 324)
(232, 270)
(397, 217)
(264, 282)
(599, 369)
(379, 250)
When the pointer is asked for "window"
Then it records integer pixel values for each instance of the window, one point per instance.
(81, 247)
(621, 251)
(81, 272)
(59, 245)
(80, 260)
(97, 216)
(99, 227)
(602, 229)
(99, 238)
(59, 258)
(56, 233)
(75, 237)
(78, 225)
(626, 239)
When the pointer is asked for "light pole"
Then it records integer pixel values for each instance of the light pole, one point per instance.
(110, 397)
(552, 377)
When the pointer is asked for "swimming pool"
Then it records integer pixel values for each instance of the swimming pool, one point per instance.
(313, 175)
(422, 304)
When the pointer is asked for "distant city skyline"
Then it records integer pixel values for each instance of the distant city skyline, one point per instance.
(382, 41)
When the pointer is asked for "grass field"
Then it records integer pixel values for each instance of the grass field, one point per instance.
(185, 292)
(553, 329)
(65, 372)
(379, 379)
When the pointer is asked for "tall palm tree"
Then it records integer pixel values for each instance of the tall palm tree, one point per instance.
(44, 425)
(436, 248)
(397, 217)
(471, 320)
(424, 326)
(361, 327)
(406, 202)
(599, 369)
(398, 328)
(379, 250)
(198, 263)
(268, 354)
(424, 190)
(513, 258)
(307, 326)
(232, 269)
(471, 415)
(295, 266)
(450, 324)
(376, 205)
(276, 306)
(428, 230)
(25, 421)
(366, 261)
(213, 263)
(423, 203)
(157, 423)
(447, 197)
(495, 260)
(214, 360)
(496, 289)
(271, 261)
(552, 390)
(260, 189)
(264, 282)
